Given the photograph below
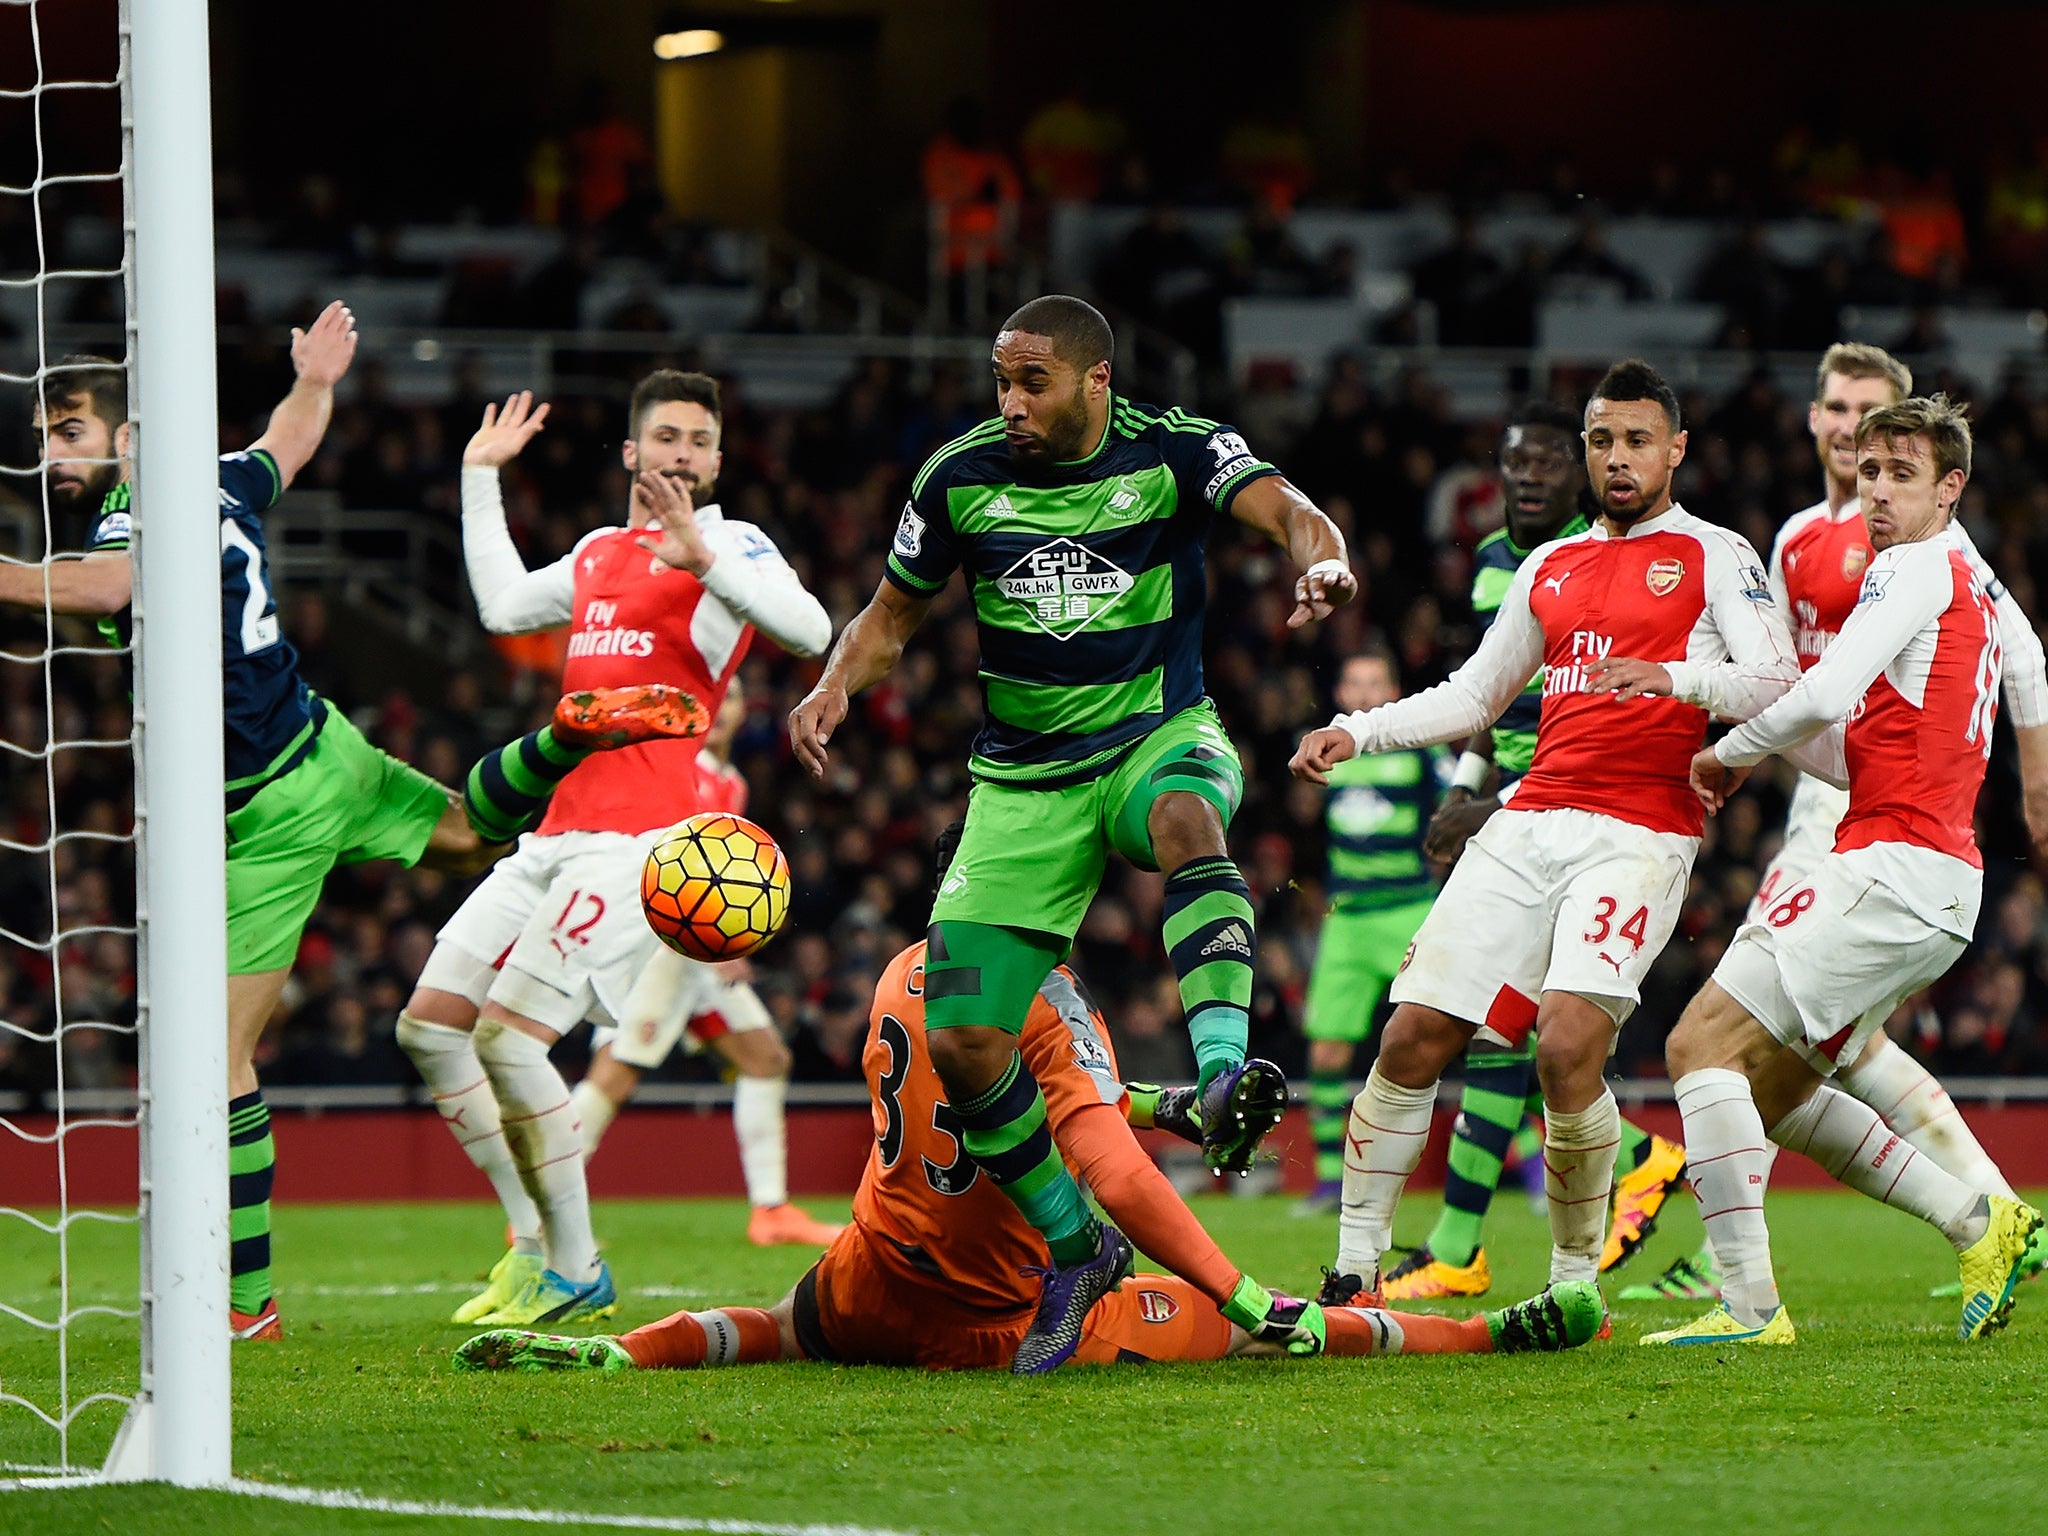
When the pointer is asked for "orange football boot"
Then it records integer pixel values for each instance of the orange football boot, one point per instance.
(1638, 1196)
(256, 1325)
(771, 1225)
(601, 719)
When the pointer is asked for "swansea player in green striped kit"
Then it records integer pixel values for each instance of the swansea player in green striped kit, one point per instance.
(1079, 518)
(1380, 887)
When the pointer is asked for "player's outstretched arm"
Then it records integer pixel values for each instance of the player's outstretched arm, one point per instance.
(97, 586)
(867, 652)
(320, 355)
(1911, 587)
(1467, 701)
(510, 599)
(1279, 511)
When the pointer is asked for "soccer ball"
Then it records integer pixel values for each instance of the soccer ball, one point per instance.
(715, 887)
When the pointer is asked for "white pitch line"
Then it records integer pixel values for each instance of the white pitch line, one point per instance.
(343, 1498)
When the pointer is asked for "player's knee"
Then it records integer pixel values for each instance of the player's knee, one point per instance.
(1571, 1052)
(757, 1053)
(1418, 1044)
(1183, 826)
(969, 1058)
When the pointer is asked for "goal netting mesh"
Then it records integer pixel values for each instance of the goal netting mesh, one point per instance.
(85, 1309)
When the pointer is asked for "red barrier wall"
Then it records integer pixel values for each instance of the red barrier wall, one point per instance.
(657, 1152)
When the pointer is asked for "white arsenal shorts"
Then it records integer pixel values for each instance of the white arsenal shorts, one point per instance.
(1831, 959)
(1547, 901)
(681, 999)
(1816, 810)
(554, 933)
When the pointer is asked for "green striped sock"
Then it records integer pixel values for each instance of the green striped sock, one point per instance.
(252, 1162)
(1329, 1109)
(508, 790)
(1212, 939)
(1496, 1088)
(1005, 1132)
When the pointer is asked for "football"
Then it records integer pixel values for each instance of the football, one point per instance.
(715, 887)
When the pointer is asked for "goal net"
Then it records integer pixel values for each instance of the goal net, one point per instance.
(112, 952)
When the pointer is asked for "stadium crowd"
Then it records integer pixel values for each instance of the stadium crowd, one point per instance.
(1410, 485)
(1408, 481)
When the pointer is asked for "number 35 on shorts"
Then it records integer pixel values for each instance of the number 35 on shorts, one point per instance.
(1635, 927)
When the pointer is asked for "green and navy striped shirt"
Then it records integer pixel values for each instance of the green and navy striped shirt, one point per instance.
(1493, 572)
(1088, 582)
(1376, 809)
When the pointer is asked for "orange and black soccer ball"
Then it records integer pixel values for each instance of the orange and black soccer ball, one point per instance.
(715, 887)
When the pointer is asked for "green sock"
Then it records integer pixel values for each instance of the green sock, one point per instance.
(1210, 935)
(1528, 1141)
(1634, 1150)
(1496, 1088)
(252, 1162)
(508, 789)
(1329, 1111)
(1005, 1132)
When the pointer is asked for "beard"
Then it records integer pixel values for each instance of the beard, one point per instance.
(86, 484)
(1646, 497)
(1064, 435)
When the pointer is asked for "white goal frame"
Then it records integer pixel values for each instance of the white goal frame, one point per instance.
(178, 1430)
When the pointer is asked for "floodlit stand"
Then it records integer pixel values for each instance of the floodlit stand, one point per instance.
(178, 1430)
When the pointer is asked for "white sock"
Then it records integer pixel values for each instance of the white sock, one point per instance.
(541, 1127)
(1846, 1138)
(1728, 1160)
(1578, 1176)
(1382, 1144)
(447, 1059)
(1909, 1100)
(594, 1112)
(757, 1124)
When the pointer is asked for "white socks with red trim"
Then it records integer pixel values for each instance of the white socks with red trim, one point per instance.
(1578, 1175)
(541, 1127)
(1383, 1142)
(1728, 1159)
(447, 1060)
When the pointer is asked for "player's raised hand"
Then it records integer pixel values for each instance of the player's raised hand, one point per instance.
(672, 536)
(1627, 678)
(1713, 780)
(1320, 590)
(322, 352)
(1320, 751)
(812, 723)
(498, 441)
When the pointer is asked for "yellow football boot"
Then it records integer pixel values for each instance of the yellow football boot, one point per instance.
(1720, 1327)
(1991, 1266)
(1424, 1277)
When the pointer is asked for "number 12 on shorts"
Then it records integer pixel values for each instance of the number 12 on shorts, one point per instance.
(1636, 929)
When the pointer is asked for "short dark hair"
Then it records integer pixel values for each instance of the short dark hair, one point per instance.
(1634, 379)
(100, 382)
(1075, 327)
(666, 384)
(1551, 414)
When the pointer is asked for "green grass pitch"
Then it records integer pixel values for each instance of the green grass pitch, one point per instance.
(1879, 1419)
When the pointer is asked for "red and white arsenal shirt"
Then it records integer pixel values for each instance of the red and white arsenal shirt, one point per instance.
(1673, 589)
(1899, 711)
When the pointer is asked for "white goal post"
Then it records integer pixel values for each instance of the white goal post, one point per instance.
(178, 1430)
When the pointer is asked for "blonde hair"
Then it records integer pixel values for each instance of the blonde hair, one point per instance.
(1945, 424)
(1860, 360)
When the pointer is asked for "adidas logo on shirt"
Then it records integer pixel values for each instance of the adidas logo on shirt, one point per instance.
(1000, 507)
(1231, 941)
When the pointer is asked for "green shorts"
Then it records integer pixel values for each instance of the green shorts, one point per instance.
(346, 803)
(1033, 858)
(1357, 958)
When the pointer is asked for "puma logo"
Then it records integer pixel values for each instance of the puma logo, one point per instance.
(1556, 583)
